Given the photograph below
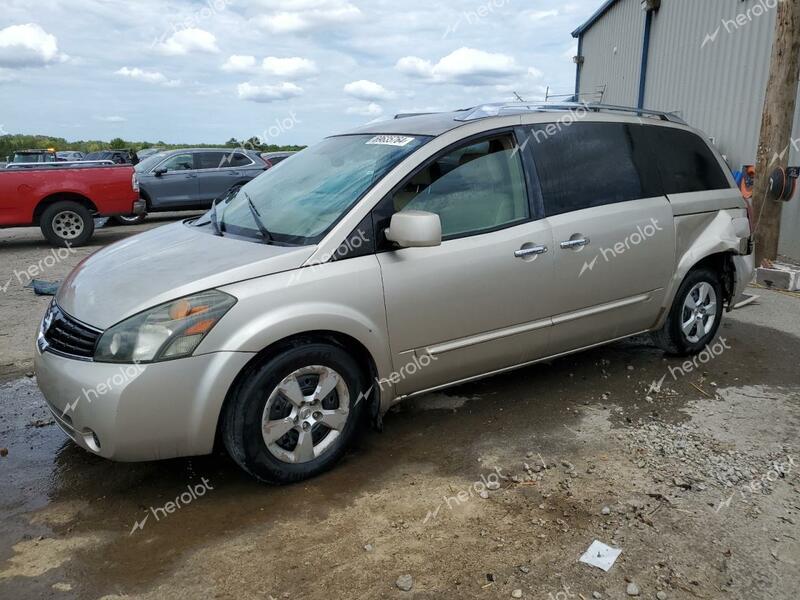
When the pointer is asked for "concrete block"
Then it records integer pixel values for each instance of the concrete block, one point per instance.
(780, 276)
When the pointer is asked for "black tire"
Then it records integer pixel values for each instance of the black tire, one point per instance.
(241, 428)
(129, 219)
(671, 338)
(67, 224)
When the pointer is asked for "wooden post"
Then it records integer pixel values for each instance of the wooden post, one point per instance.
(774, 145)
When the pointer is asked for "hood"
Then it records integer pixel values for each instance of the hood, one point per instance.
(164, 264)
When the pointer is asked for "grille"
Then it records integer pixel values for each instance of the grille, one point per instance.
(68, 336)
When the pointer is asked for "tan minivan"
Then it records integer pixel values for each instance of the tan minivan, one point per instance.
(400, 258)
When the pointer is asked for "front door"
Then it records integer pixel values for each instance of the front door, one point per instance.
(481, 301)
(176, 187)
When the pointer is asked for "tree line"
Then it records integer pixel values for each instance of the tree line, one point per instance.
(10, 143)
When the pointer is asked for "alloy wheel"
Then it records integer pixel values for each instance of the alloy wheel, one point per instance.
(699, 312)
(305, 414)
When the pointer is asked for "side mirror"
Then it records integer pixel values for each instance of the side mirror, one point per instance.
(415, 229)
(160, 171)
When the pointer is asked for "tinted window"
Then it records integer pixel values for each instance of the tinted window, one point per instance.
(209, 160)
(685, 161)
(478, 187)
(583, 165)
(237, 159)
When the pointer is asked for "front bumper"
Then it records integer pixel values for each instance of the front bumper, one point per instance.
(139, 412)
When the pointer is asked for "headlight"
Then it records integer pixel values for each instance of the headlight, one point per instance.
(171, 330)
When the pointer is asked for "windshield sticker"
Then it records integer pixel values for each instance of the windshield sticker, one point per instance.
(391, 140)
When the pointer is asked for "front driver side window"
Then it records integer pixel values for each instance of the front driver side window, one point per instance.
(479, 187)
(179, 162)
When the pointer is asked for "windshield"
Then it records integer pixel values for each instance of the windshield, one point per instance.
(151, 161)
(299, 200)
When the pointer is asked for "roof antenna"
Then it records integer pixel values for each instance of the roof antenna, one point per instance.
(518, 97)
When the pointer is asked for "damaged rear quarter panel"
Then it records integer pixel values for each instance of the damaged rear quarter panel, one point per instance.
(706, 223)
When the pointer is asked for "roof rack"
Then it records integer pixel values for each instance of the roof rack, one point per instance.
(497, 109)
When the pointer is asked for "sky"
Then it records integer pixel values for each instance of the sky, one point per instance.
(287, 71)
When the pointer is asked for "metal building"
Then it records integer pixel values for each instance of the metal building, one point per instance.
(707, 60)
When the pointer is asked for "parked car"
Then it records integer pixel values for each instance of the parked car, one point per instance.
(63, 200)
(145, 152)
(118, 157)
(69, 156)
(273, 158)
(193, 178)
(31, 158)
(401, 258)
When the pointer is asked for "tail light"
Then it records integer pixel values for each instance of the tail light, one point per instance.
(135, 182)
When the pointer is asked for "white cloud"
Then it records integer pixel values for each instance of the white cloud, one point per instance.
(147, 76)
(542, 15)
(304, 15)
(268, 93)
(465, 66)
(240, 64)
(367, 90)
(28, 45)
(535, 73)
(289, 68)
(189, 40)
(112, 119)
(368, 110)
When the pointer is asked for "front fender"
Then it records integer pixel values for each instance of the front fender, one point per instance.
(344, 297)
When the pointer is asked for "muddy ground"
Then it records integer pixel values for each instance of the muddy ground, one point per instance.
(692, 474)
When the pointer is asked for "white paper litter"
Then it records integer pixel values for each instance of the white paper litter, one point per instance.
(601, 556)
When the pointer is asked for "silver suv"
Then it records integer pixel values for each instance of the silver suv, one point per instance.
(400, 258)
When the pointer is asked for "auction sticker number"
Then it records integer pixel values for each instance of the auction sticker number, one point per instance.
(391, 140)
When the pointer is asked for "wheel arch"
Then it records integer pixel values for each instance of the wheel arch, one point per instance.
(337, 338)
(720, 261)
(47, 201)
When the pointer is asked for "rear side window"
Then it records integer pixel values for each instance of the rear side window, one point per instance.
(209, 160)
(685, 161)
(584, 165)
(237, 159)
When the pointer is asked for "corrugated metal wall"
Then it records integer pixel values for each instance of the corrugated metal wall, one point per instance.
(718, 87)
(612, 51)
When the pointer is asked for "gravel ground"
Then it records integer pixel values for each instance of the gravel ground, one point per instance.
(490, 490)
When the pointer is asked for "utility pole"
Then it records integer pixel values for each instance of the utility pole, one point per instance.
(776, 126)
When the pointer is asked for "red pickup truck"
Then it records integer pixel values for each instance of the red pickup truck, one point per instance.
(63, 201)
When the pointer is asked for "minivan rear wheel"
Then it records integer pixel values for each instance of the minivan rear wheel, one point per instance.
(695, 316)
(294, 416)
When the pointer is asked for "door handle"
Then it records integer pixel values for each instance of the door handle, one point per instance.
(579, 243)
(532, 251)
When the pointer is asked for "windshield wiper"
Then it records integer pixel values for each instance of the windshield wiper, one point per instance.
(214, 221)
(262, 229)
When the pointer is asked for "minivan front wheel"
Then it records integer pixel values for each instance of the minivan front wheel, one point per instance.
(294, 416)
(695, 316)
